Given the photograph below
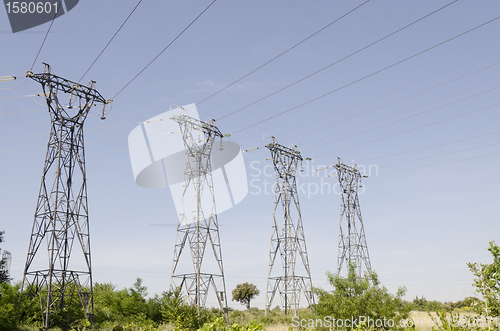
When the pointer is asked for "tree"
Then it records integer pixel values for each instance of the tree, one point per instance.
(245, 292)
(487, 283)
(355, 296)
(4, 273)
(17, 308)
(139, 289)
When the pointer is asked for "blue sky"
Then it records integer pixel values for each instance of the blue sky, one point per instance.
(428, 127)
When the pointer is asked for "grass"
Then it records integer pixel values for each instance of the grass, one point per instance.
(277, 327)
(424, 322)
(276, 320)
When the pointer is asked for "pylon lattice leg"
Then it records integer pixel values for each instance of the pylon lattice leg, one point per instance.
(61, 215)
(198, 225)
(352, 243)
(289, 240)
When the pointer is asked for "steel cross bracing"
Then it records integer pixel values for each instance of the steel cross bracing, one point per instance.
(352, 244)
(289, 240)
(61, 214)
(197, 226)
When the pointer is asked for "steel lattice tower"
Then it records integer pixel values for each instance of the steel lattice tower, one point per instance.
(196, 228)
(61, 214)
(289, 240)
(352, 244)
(7, 257)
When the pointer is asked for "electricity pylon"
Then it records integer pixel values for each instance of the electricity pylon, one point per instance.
(61, 214)
(7, 257)
(352, 245)
(289, 240)
(198, 225)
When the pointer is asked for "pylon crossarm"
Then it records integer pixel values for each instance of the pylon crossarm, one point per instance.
(197, 125)
(66, 86)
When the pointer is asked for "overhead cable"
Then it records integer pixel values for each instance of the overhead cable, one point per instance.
(320, 119)
(109, 42)
(409, 130)
(336, 62)
(427, 147)
(407, 117)
(157, 56)
(367, 76)
(438, 164)
(279, 55)
(390, 103)
(45, 38)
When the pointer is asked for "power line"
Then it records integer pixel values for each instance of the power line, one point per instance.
(19, 96)
(13, 88)
(113, 139)
(392, 102)
(85, 130)
(408, 117)
(404, 110)
(42, 147)
(440, 154)
(413, 129)
(39, 160)
(437, 164)
(336, 62)
(367, 76)
(45, 38)
(109, 42)
(180, 34)
(124, 150)
(94, 192)
(427, 147)
(107, 174)
(279, 55)
(384, 94)
(24, 174)
(104, 213)
(109, 126)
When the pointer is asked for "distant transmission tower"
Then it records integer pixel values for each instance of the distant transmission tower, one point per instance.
(198, 225)
(7, 257)
(352, 243)
(61, 214)
(287, 241)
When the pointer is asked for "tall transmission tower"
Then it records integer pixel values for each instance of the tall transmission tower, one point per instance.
(352, 243)
(288, 240)
(61, 214)
(7, 257)
(198, 225)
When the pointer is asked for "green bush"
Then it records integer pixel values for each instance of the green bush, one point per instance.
(16, 308)
(175, 310)
(9, 312)
(454, 322)
(355, 296)
(487, 283)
